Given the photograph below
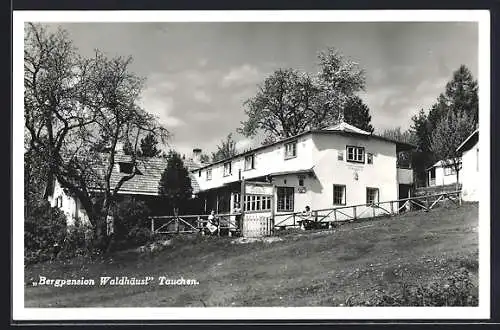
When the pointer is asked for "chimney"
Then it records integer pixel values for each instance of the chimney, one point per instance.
(197, 155)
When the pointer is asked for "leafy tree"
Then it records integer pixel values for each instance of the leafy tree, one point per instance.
(128, 148)
(148, 146)
(357, 114)
(175, 183)
(204, 158)
(450, 132)
(226, 149)
(290, 101)
(76, 107)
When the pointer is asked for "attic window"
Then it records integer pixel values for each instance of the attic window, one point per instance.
(126, 168)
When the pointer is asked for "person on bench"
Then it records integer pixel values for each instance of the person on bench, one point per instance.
(306, 218)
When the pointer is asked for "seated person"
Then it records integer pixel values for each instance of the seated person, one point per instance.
(212, 223)
(306, 218)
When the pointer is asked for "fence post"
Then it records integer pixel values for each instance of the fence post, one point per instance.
(177, 224)
(354, 212)
(392, 207)
(427, 201)
(459, 196)
(315, 216)
(335, 214)
(152, 225)
(293, 215)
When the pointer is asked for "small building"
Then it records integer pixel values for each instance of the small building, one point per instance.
(144, 185)
(441, 174)
(337, 166)
(470, 167)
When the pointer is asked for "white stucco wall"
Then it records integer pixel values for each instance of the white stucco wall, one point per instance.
(382, 174)
(470, 174)
(71, 206)
(442, 179)
(268, 160)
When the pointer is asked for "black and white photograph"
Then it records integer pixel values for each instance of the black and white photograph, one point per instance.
(220, 165)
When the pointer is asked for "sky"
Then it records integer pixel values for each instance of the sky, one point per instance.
(199, 74)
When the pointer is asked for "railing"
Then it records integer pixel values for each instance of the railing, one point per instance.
(193, 223)
(353, 212)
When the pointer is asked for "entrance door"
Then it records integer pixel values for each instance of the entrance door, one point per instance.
(258, 209)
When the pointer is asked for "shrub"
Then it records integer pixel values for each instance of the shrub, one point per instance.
(131, 223)
(44, 226)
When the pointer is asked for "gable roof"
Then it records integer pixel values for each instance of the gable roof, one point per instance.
(145, 181)
(345, 127)
(469, 141)
(441, 163)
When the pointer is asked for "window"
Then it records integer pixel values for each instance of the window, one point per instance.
(249, 162)
(199, 173)
(449, 170)
(126, 168)
(209, 174)
(340, 155)
(301, 180)
(227, 168)
(285, 199)
(338, 194)
(257, 203)
(477, 159)
(369, 158)
(371, 195)
(290, 149)
(236, 200)
(355, 154)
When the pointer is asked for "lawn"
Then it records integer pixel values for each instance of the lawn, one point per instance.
(353, 262)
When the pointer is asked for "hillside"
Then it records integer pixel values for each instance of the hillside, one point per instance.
(352, 263)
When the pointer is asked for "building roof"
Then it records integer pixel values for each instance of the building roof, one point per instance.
(441, 163)
(341, 129)
(469, 141)
(147, 178)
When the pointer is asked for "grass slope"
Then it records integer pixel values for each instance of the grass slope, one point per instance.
(312, 268)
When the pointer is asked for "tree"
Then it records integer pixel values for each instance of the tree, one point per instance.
(175, 183)
(148, 146)
(226, 149)
(357, 114)
(422, 157)
(77, 107)
(461, 93)
(450, 132)
(290, 101)
(204, 158)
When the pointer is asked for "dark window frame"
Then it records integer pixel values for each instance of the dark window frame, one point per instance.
(344, 194)
(378, 195)
(288, 204)
(252, 165)
(355, 149)
(369, 158)
(209, 174)
(230, 169)
(294, 144)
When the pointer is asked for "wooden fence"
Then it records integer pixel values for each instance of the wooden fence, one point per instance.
(353, 212)
(193, 223)
(196, 223)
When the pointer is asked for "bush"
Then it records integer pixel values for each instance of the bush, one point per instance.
(131, 223)
(44, 226)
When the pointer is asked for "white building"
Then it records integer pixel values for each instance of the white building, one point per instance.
(470, 167)
(336, 166)
(442, 173)
(144, 185)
